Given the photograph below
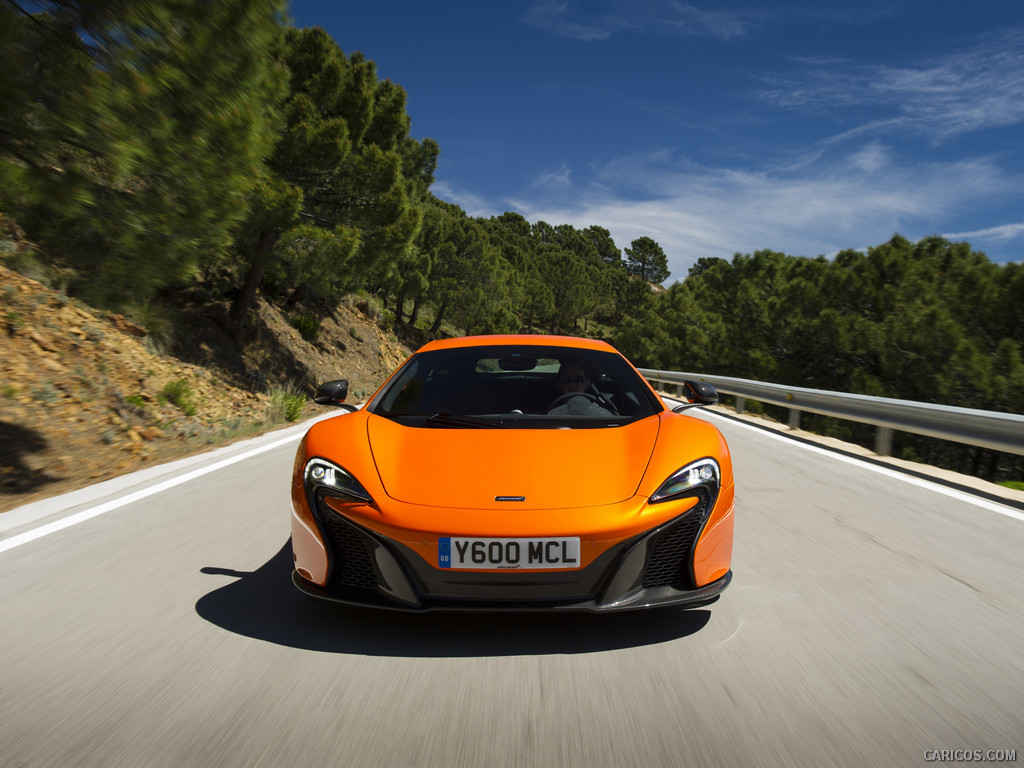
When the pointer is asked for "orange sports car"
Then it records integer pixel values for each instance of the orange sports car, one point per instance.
(513, 473)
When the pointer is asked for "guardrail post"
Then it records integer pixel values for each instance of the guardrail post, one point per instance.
(679, 389)
(883, 441)
(741, 404)
(794, 418)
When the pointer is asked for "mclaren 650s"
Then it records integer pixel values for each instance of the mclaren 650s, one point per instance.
(522, 473)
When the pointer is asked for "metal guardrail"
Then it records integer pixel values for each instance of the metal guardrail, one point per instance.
(987, 429)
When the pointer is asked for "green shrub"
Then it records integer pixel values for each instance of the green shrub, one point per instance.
(307, 326)
(46, 393)
(92, 333)
(286, 404)
(180, 394)
(158, 322)
(293, 405)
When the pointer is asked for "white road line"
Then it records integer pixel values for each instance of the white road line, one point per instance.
(88, 514)
(893, 473)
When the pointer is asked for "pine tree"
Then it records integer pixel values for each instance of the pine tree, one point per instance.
(344, 148)
(647, 261)
(131, 132)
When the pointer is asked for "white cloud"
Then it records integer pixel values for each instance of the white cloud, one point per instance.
(694, 211)
(560, 178)
(981, 87)
(556, 17)
(1000, 233)
(592, 21)
(873, 157)
(472, 204)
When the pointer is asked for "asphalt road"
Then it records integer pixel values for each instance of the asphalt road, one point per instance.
(871, 621)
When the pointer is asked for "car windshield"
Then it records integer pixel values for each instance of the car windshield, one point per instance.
(515, 386)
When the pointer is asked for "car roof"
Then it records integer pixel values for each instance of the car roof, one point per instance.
(569, 342)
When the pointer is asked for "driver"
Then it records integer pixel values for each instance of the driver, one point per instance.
(575, 398)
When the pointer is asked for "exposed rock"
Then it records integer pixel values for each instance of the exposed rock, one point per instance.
(82, 398)
(121, 323)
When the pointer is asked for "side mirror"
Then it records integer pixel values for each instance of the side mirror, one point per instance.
(332, 393)
(697, 393)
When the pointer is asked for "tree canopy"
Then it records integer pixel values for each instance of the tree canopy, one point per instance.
(646, 261)
(130, 131)
(932, 321)
(345, 154)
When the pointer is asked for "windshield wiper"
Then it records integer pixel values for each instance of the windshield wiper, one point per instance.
(445, 419)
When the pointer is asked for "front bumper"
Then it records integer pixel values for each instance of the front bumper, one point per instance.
(650, 570)
(644, 598)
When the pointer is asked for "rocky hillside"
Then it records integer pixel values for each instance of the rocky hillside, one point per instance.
(85, 396)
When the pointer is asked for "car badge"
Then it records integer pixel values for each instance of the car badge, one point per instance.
(510, 498)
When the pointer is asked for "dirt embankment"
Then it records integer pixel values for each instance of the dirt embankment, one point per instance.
(85, 397)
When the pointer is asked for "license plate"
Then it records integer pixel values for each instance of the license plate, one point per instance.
(508, 554)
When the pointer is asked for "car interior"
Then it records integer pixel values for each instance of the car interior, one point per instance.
(501, 382)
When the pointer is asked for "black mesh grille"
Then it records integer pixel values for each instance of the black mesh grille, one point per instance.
(671, 550)
(351, 552)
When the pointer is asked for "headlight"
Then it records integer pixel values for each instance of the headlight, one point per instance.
(700, 474)
(335, 481)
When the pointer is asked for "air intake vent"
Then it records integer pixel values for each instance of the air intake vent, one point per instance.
(351, 552)
(669, 562)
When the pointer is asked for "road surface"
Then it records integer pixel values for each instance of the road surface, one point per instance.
(872, 621)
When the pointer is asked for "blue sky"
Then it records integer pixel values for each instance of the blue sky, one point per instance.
(716, 127)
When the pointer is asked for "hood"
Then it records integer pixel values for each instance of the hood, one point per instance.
(547, 468)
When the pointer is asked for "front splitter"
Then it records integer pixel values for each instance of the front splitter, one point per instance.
(657, 597)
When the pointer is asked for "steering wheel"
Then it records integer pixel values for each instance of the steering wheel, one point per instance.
(569, 395)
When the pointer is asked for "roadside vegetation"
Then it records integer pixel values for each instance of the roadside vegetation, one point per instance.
(180, 161)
